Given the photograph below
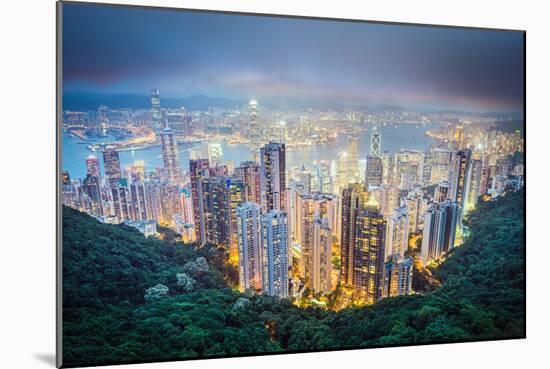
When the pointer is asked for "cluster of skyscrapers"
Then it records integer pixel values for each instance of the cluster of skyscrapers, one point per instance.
(347, 222)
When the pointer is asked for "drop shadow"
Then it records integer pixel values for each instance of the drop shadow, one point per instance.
(46, 358)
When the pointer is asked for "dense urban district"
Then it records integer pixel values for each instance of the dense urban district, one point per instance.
(220, 258)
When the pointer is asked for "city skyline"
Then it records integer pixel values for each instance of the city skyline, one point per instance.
(241, 226)
(184, 54)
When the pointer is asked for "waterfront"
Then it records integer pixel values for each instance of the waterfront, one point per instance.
(394, 138)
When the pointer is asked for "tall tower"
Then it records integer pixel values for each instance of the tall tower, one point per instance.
(199, 171)
(460, 169)
(218, 214)
(375, 143)
(92, 166)
(397, 236)
(250, 251)
(373, 172)
(398, 277)
(353, 198)
(111, 164)
(321, 256)
(368, 255)
(473, 185)
(273, 176)
(253, 129)
(439, 230)
(353, 159)
(275, 253)
(249, 173)
(170, 155)
(442, 192)
(156, 114)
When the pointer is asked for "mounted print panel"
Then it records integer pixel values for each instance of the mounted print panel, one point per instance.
(239, 184)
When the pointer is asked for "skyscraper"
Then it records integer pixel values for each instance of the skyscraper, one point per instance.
(342, 179)
(353, 198)
(92, 166)
(353, 159)
(373, 172)
(398, 277)
(199, 171)
(218, 210)
(321, 257)
(249, 173)
(111, 164)
(473, 185)
(368, 255)
(93, 191)
(375, 143)
(250, 251)
(253, 129)
(460, 169)
(170, 155)
(397, 236)
(275, 253)
(439, 232)
(156, 114)
(273, 176)
(442, 191)
(441, 164)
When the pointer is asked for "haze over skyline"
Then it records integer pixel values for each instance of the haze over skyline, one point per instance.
(241, 57)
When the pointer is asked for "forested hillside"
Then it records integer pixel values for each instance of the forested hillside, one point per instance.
(128, 298)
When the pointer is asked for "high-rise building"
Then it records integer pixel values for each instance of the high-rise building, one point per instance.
(368, 255)
(460, 169)
(215, 153)
(473, 185)
(353, 198)
(304, 177)
(323, 178)
(138, 201)
(398, 277)
(342, 179)
(170, 155)
(375, 143)
(353, 159)
(413, 202)
(92, 189)
(373, 172)
(275, 253)
(442, 192)
(253, 130)
(439, 232)
(321, 257)
(156, 113)
(218, 210)
(92, 166)
(397, 235)
(236, 193)
(249, 173)
(273, 176)
(441, 164)
(111, 164)
(186, 201)
(199, 171)
(250, 251)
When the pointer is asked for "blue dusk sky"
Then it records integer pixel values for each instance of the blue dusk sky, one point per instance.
(125, 50)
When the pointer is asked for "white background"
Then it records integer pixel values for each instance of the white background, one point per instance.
(27, 180)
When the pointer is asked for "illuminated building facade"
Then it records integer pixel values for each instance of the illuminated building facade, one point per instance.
(274, 240)
(273, 176)
(250, 250)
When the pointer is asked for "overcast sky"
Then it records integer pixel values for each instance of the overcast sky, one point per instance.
(131, 50)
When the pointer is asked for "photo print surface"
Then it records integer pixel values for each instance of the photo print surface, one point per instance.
(236, 184)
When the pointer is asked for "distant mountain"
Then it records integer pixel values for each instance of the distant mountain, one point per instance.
(91, 101)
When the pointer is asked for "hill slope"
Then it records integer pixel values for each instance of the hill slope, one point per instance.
(107, 319)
